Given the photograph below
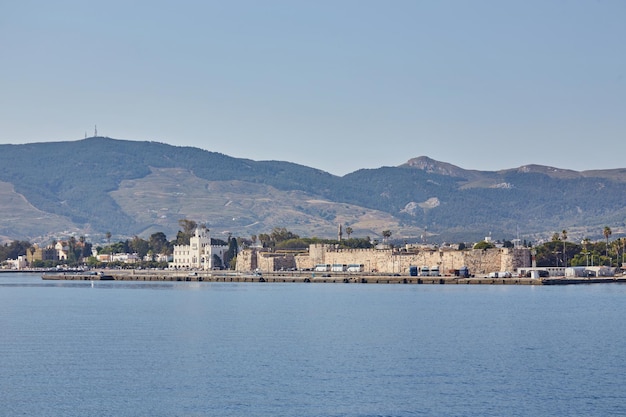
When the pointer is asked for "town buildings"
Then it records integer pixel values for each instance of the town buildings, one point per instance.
(47, 253)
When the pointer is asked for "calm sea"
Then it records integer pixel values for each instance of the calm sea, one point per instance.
(217, 349)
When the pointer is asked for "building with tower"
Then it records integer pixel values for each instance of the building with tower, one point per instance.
(200, 253)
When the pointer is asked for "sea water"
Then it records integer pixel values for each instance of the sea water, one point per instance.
(115, 348)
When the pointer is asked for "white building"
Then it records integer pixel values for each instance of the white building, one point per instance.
(63, 249)
(199, 254)
(158, 258)
(19, 263)
(127, 258)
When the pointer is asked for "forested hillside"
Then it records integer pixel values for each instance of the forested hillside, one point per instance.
(102, 184)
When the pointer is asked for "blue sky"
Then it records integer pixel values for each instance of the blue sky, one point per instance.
(335, 85)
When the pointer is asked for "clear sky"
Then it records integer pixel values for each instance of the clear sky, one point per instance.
(337, 85)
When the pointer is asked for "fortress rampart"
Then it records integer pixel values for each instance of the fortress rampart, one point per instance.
(391, 261)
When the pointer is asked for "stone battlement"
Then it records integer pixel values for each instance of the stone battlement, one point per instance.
(391, 261)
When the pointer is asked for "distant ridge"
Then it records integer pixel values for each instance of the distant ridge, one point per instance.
(98, 184)
(431, 166)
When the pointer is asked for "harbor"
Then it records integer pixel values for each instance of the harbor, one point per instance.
(308, 277)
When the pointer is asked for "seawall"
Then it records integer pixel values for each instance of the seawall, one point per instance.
(297, 277)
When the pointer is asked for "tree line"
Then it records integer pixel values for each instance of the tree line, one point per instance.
(560, 252)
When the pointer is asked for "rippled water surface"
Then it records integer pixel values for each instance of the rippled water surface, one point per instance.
(72, 348)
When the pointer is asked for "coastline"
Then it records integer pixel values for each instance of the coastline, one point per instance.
(308, 277)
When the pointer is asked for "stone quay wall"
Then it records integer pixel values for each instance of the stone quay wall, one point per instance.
(479, 261)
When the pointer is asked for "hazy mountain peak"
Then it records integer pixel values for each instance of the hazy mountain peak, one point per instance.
(548, 170)
(432, 166)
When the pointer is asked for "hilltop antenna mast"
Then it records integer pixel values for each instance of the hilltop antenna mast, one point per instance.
(95, 131)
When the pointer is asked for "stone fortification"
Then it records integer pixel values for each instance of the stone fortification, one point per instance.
(390, 261)
(264, 260)
(247, 260)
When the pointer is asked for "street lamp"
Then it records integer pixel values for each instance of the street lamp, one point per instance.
(556, 258)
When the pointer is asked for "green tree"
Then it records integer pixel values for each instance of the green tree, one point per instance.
(616, 246)
(483, 244)
(158, 243)
(38, 264)
(607, 232)
(357, 243)
(139, 246)
(92, 262)
(280, 234)
(189, 227)
(265, 239)
(231, 253)
(349, 231)
(386, 235)
(547, 253)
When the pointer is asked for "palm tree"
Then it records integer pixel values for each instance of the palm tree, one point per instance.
(564, 234)
(386, 235)
(616, 245)
(585, 243)
(607, 232)
(108, 236)
(349, 231)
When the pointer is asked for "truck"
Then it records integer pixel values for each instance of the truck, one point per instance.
(462, 272)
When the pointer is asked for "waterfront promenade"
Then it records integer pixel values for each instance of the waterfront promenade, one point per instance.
(310, 277)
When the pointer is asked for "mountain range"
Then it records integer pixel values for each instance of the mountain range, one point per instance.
(98, 185)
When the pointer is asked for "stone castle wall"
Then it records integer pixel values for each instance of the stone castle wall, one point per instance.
(247, 260)
(253, 259)
(478, 261)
